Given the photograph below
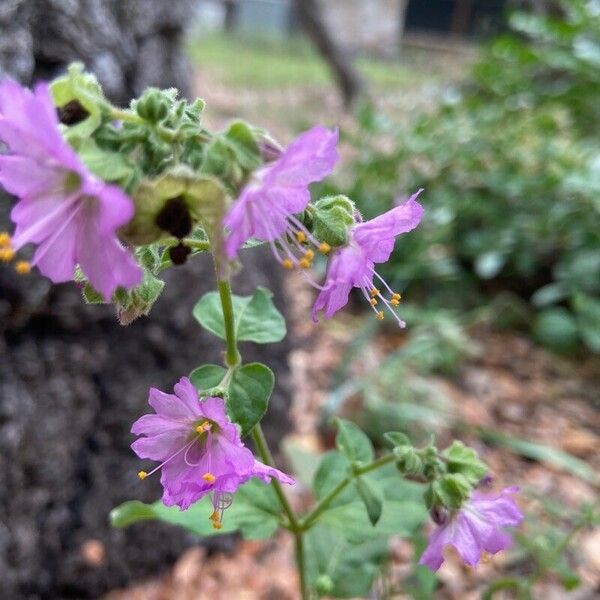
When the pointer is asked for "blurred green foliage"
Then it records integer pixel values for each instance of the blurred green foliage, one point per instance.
(511, 170)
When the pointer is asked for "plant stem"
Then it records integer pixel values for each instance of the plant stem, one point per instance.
(258, 437)
(119, 114)
(233, 358)
(325, 502)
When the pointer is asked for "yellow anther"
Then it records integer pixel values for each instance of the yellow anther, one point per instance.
(394, 302)
(142, 475)
(374, 292)
(379, 315)
(304, 263)
(4, 239)
(209, 478)
(6, 254)
(396, 296)
(324, 247)
(204, 426)
(22, 267)
(373, 301)
(287, 263)
(309, 254)
(216, 520)
(301, 236)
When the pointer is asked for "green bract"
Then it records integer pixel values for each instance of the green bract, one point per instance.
(202, 198)
(331, 218)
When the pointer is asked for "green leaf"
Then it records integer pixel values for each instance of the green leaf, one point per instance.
(256, 318)
(396, 438)
(464, 460)
(352, 442)
(397, 518)
(207, 377)
(254, 512)
(108, 166)
(132, 304)
(91, 296)
(249, 392)
(371, 499)
(587, 310)
(194, 519)
(332, 469)
(341, 569)
(557, 329)
(488, 265)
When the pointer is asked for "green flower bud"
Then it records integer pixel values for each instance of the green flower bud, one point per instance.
(332, 216)
(153, 105)
(324, 584)
(409, 461)
(464, 460)
(449, 491)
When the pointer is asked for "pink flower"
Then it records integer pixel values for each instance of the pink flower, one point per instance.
(266, 207)
(476, 528)
(199, 449)
(71, 215)
(352, 265)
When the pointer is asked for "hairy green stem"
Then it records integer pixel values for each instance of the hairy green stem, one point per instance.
(233, 358)
(325, 502)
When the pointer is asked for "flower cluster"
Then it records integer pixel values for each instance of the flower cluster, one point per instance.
(182, 183)
(476, 528)
(199, 449)
(267, 209)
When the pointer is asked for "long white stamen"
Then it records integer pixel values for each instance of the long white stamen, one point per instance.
(162, 464)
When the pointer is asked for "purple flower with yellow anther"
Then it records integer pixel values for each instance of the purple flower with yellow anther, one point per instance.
(267, 206)
(199, 449)
(353, 265)
(477, 528)
(70, 214)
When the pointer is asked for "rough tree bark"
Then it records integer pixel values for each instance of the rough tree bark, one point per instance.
(71, 379)
(347, 77)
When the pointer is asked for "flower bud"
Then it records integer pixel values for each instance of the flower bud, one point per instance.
(152, 106)
(439, 514)
(408, 460)
(331, 219)
(324, 584)
(449, 491)
(269, 149)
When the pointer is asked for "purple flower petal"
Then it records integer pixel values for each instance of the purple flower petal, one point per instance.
(280, 190)
(69, 213)
(475, 528)
(199, 448)
(377, 236)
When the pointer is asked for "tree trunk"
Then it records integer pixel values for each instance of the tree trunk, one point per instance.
(347, 77)
(72, 380)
